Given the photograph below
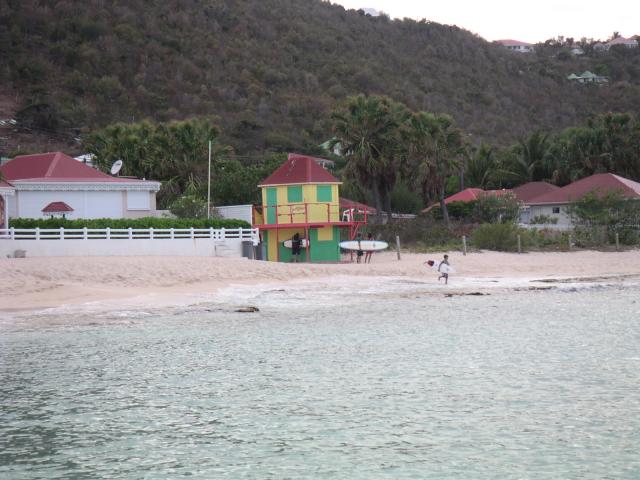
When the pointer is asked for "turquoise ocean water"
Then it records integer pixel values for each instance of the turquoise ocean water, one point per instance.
(372, 382)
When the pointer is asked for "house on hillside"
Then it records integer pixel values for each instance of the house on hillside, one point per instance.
(35, 185)
(556, 203)
(517, 46)
(588, 77)
(625, 42)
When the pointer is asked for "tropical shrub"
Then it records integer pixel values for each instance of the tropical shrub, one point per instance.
(501, 237)
(503, 208)
(543, 220)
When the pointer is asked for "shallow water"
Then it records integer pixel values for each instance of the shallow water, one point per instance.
(386, 384)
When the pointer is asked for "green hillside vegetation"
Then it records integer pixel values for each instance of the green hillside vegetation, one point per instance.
(272, 71)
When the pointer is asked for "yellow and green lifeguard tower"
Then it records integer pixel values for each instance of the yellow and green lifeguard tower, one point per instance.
(301, 197)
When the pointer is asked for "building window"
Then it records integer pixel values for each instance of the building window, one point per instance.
(556, 210)
(325, 193)
(294, 194)
(138, 200)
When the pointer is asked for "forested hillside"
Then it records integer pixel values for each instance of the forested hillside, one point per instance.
(272, 71)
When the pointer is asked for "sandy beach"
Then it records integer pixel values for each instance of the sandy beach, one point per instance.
(39, 283)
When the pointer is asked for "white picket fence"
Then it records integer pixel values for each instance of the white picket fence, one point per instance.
(77, 242)
(128, 233)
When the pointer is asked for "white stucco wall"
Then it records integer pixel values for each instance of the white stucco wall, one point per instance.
(239, 212)
(197, 247)
(563, 217)
(86, 204)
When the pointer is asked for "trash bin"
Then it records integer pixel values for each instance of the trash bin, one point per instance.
(257, 250)
(247, 249)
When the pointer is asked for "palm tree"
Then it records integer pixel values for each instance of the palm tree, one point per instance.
(530, 161)
(481, 167)
(435, 145)
(367, 132)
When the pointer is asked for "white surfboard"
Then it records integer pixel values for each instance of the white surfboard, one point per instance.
(289, 243)
(442, 267)
(364, 245)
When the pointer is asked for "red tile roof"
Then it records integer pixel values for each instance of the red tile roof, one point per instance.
(466, 195)
(531, 190)
(55, 167)
(297, 170)
(57, 207)
(600, 182)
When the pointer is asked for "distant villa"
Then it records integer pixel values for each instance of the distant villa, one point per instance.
(631, 42)
(588, 77)
(517, 46)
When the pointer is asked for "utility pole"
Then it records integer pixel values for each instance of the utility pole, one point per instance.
(209, 185)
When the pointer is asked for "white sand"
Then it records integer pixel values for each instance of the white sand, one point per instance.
(35, 283)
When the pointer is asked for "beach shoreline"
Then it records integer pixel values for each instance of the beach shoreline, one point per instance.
(37, 284)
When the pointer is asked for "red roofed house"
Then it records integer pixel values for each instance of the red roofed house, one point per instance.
(301, 197)
(40, 179)
(529, 191)
(555, 203)
(468, 195)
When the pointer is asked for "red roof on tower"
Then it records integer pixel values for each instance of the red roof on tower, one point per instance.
(57, 207)
(600, 182)
(297, 170)
(55, 167)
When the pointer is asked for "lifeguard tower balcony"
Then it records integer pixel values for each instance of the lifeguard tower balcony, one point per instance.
(302, 197)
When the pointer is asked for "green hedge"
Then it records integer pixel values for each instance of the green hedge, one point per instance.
(146, 222)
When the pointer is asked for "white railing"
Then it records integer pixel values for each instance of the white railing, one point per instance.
(128, 233)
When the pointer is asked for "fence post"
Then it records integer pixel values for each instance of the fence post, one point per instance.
(150, 233)
(211, 233)
(192, 234)
(464, 245)
(172, 233)
(398, 245)
(223, 233)
(130, 234)
(108, 233)
(61, 233)
(37, 233)
(519, 245)
(85, 234)
(12, 231)
(617, 242)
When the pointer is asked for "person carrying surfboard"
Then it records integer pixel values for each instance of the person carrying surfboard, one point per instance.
(359, 252)
(443, 270)
(295, 247)
(369, 254)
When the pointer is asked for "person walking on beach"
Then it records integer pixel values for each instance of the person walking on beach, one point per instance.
(443, 268)
(359, 252)
(296, 243)
(367, 256)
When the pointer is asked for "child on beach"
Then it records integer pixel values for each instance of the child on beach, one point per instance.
(359, 252)
(444, 273)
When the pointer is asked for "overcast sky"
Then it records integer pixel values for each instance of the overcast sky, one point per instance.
(532, 21)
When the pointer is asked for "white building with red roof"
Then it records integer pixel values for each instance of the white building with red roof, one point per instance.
(33, 182)
(556, 203)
